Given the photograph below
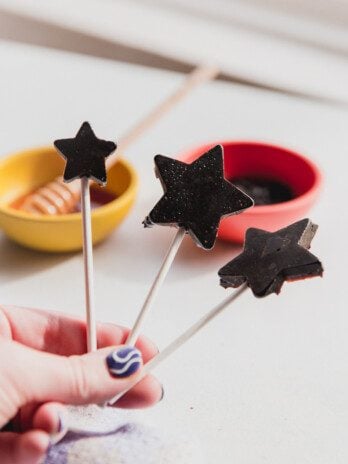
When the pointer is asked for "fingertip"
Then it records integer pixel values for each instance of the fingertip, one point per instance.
(49, 418)
(110, 334)
(33, 446)
(148, 348)
(96, 377)
(148, 392)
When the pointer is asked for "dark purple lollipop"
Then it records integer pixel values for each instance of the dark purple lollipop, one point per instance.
(85, 155)
(271, 258)
(85, 159)
(196, 196)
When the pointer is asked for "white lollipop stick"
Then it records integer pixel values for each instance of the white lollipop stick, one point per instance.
(88, 264)
(167, 262)
(182, 339)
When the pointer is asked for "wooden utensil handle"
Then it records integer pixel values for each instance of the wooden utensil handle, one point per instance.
(198, 76)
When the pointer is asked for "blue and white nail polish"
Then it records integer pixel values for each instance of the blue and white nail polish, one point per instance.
(124, 362)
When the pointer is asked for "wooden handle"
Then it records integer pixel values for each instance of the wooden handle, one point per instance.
(198, 76)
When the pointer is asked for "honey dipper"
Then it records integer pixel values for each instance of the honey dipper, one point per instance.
(59, 198)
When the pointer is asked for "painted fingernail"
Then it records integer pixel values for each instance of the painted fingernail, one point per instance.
(124, 361)
(61, 423)
(162, 396)
(61, 431)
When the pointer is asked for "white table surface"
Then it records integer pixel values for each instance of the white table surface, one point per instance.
(267, 381)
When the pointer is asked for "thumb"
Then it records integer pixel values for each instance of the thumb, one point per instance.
(36, 376)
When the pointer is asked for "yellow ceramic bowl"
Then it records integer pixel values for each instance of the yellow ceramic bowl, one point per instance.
(27, 170)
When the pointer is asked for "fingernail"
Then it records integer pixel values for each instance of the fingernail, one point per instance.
(124, 361)
(162, 396)
(61, 423)
(61, 431)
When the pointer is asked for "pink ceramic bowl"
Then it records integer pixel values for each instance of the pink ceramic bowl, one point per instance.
(267, 161)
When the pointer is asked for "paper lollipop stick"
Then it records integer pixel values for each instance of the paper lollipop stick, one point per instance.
(163, 271)
(268, 259)
(182, 339)
(196, 197)
(88, 264)
(85, 155)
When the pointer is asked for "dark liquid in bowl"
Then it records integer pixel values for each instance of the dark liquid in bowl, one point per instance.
(264, 191)
(99, 197)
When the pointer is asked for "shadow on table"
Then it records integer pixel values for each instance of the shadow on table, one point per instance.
(17, 262)
(191, 257)
(136, 256)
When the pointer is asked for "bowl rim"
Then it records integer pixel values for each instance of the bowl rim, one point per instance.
(71, 217)
(289, 205)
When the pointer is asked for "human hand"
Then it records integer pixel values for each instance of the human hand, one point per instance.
(43, 367)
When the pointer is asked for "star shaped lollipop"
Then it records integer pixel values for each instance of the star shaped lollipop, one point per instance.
(269, 259)
(196, 196)
(85, 155)
(85, 159)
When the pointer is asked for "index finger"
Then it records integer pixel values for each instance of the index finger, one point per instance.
(60, 334)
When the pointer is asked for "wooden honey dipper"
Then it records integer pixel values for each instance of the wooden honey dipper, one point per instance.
(58, 197)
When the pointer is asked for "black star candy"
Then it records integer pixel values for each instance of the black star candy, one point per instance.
(268, 259)
(196, 196)
(85, 155)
